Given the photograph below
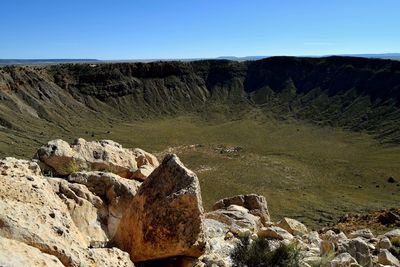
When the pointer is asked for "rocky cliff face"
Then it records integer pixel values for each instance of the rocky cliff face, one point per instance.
(356, 93)
(92, 217)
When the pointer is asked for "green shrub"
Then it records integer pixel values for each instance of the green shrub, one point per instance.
(72, 167)
(259, 254)
(395, 241)
(324, 260)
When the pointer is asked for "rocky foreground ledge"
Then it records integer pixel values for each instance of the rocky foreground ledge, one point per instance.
(99, 204)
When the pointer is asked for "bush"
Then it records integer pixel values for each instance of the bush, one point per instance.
(395, 241)
(259, 254)
(323, 261)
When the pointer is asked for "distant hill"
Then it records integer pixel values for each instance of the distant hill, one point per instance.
(43, 61)
(393, 56)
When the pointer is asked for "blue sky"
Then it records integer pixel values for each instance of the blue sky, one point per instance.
(138, 29)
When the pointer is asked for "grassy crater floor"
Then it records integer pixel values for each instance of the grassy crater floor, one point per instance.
(311, 173)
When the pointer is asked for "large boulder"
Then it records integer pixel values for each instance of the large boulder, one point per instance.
(342, 260)
(274, 232)
(358, 249)
(393, 233)
(61, 158)
(32, 213)
(16, 254)
(236, 217)
(165, 218)
(110, 257)
(384, 243)
(115, 192)
(220, 244)
(363, 233)
(96, 202)
(292, 226)
(87, 210)
(255, 204)
(387, 258)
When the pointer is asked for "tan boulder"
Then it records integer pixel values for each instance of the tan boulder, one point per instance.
(384, 243)
(358, 249)
(32, 213)
(387, 258)
(274, 232)
(144, 158)
(327, 247)
(342, 260)
(17, 254)
(393, 233)
(236, 217)
(61, 158)
(292, 226)
(86, 210)
(255, 204)
(165, 216)
(220, 244)
(115, 192)
(110, 257)
(363, 233)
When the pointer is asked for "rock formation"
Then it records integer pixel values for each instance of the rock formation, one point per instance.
(32, 213)
(165, 217)
(61, 158)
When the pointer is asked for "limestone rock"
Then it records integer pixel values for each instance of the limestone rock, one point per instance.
(255, 204)
(292, 226)
(342, 260)
(387, 258)
(30, 212)
(146, 163)
(358, 249)
(364, 233)
(274, 232)
(165, 217)
(12, 166)
(62, 158)
(212, 260)
(237, 217)
(312, 238)
(16, 254)
(327, 247)
(220, 243)
(86, 210)
(384, 243)
(110, 257)
(393, 233)
(115, 192)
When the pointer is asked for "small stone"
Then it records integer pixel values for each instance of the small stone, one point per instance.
(387, 258)
(327, 247)
(292, 226)
(384, 243)
(364, 233)
(274, 232)
(253, 236)
(229, 235)
(393, 233)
